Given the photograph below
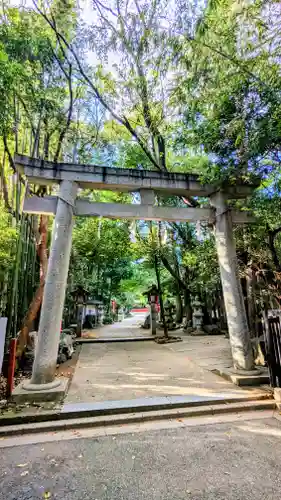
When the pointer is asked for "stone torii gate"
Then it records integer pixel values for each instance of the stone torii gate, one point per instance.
(65, 205)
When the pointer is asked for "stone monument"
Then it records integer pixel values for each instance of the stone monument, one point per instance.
(197, 317)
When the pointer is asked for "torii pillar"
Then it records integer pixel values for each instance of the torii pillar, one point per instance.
(239, 334)
(44, 367)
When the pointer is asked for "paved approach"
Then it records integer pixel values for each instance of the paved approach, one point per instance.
(238, 460)
(128, 370)
(128, 328)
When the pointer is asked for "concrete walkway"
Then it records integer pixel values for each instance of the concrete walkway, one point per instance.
(118, 371)
(128, 328)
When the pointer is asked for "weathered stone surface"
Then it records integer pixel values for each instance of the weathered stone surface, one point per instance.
(197, 315)
(52, 307)
(21, 394)
(258, 378)
(239, 334)
(66, 348)
(121, 179)
(48, 206)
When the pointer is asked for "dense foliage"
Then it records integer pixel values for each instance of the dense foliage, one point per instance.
(167, 85)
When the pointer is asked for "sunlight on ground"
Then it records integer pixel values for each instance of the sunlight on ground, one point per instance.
(266, 431)
(108, 371)
(152, 389)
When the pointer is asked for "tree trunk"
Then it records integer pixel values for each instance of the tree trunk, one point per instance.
(12, 313)
(22, 285)
(222, 313)
(69, 114)
(271, 241)
(4, 185)
(179, 308)
(37, 299)
(206, 313)
(162, 313)
(36, 143)
(214, 314)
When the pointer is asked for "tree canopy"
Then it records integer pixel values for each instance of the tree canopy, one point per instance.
(160, 85)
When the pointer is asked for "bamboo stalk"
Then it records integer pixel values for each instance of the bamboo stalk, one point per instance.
(13, 296)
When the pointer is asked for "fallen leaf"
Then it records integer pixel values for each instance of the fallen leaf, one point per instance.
(22, 465)
(24, 473)
(179, 419)
(47, 494)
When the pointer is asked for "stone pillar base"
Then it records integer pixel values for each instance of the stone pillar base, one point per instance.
(244, 373)
(43, 387)
(36, 393)
(244, 377)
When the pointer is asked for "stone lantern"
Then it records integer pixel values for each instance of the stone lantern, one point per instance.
(169, 310)
(153, 299)
(80, 296)
(197, 315)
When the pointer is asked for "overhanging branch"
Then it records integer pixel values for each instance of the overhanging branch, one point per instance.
(122, 120)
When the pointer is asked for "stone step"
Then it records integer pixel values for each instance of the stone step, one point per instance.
(103, 340)
(137, 417)
(156, 403)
